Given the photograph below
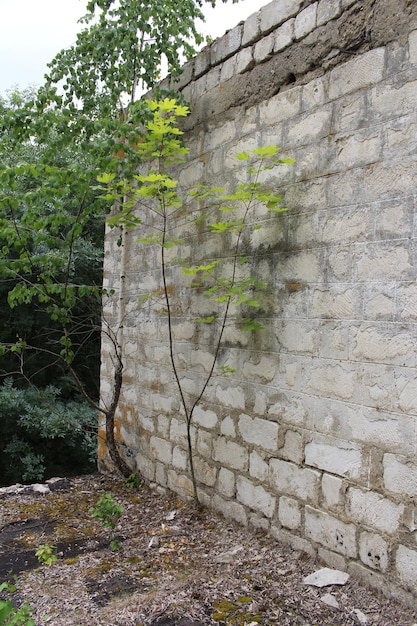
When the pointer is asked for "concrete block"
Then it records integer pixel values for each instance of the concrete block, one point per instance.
(309, 128)
(330, 532)
(343, 459)
(335, 381)
(219, 135)
(262, 371)
(340, 302)
(283, 106)
(386, 99)
(230, 454)
(284, 35)
(407, 301)
(259, 432)
(297, 336)
(373, 551)
(359, 150)
(328, 10)
(406, 565)
(306, 21)
(313, 94)
(332, 491)
(370, 508)
(400, 476)
(362, 71)
(289, 513)
(255, 497)
(226, 483)
(374, 343)
(289, 479)
(276, 12)
(161, 449)
(258, 467)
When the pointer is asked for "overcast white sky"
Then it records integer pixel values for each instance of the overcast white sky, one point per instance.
(33, 31)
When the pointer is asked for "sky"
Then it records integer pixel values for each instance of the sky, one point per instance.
(33, 31)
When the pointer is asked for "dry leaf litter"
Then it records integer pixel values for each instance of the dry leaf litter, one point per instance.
(176, 566)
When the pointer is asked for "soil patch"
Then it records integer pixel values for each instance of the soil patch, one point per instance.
(176, 566)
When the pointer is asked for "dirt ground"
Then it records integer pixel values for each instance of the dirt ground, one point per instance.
(175, 566)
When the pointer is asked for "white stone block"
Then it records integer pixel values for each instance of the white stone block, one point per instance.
(306, 21)
(204, 443)
(330, 532)
(333, 381)
(264, 48)
(370, 508)
(226, 483)
(258, 468)
(293, 448)
(284, 35)
(412, 46)
(339, 458)
(231, 510)
(179, 458)
(276, 12)
(362, 71)
(327, 10)
(262, 371)
(230, 454)
(258, 432)
(406, 564)
(255, 497)
(204, 417)
(244, 60)
(233, 397)
(332, 490)
(400, 477)
(180, 484)
(373, 551)
(283, 106)
(205, 473)
(289, 479)
(251, 28)
(289, 513)
(227, 427)
(178, 432)
(161, 449)
(309, 128)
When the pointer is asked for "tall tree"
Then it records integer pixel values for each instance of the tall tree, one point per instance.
(89, 102)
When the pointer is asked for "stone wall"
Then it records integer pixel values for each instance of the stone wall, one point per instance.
(313, 439)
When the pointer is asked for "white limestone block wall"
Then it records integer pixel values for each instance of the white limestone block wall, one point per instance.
(313, 439)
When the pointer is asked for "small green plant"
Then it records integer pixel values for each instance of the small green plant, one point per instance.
(132, 481)
(10, 615)
(46, 555)
(109, 512)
